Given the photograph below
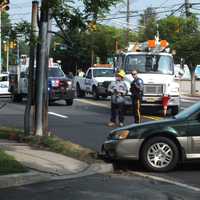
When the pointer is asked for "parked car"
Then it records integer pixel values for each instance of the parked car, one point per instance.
(4, 84)
(160, 145)
(197, 72)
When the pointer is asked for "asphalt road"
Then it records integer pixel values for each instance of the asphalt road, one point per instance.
(101, 187)
(85, 123)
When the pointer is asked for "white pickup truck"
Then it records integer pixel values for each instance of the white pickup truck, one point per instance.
(95, 82)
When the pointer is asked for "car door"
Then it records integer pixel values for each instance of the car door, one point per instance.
(194, 135)
(88, 81)
(23, 82)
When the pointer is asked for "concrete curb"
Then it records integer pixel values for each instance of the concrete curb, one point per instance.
(95, 168)
(31, 177)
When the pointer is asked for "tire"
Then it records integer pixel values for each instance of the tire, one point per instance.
(150, 148)
(17, 98)
(69, 102)
(174, 110)
(79, 92)
(94, 93)
(104, 96)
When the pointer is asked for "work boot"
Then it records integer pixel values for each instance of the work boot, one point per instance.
(121, 124)
(111, 124)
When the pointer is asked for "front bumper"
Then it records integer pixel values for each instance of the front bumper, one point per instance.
(61, 93)
(154, 101)
(102, 90)
(122, 149)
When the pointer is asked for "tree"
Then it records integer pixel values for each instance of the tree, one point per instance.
(103, 42)
(183, 36)
(147, 24)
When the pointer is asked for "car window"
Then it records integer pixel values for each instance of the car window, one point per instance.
(3, 78)
(189, 112)
(89, 74)
(55, 72)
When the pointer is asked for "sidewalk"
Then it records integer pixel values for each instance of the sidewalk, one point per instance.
(189, 97)
(45, 165)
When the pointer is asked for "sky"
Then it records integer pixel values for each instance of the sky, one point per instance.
(21, 10)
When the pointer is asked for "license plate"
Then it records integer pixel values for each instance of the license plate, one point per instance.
(150, 99)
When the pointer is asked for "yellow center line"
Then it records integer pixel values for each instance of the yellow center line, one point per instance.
(108, 106)
(156, 118)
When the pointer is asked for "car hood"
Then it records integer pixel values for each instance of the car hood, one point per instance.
(146, 129)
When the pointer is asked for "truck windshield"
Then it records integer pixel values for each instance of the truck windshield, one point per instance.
(160, 64)
(103, 72)
(55, 72)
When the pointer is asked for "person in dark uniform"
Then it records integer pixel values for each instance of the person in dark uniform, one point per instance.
(137, 87)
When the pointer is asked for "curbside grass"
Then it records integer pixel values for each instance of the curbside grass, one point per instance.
(51, 143)
(8, 165)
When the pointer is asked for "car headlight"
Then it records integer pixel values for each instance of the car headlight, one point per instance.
(69, 82)
(120, 135)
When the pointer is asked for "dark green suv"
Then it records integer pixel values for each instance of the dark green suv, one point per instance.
(160, 145)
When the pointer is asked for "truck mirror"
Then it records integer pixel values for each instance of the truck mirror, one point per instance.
(182, 63)
(181, 72)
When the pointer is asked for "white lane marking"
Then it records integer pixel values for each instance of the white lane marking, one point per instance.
(58, 115)
(93, 103)
(167, 181)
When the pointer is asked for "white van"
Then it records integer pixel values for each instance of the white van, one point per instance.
(4, 83)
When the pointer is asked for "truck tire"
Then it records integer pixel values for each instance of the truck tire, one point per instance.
(79, 92)
(69, 102)
(17, 98)
(174, 110)
(94, 93)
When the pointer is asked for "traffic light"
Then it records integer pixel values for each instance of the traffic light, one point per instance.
(5, 47)
(11, 45)
(4, 4)
(92, 26)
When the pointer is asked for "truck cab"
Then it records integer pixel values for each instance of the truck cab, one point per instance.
(95, 81)
(157, 71)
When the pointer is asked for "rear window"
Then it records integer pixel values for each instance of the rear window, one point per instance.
(55, 72)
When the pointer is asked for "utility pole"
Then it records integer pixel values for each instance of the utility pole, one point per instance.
(0, 41)
(128, 21)
(187, 8)
(46, 99)
(32, 56)
(42, 67)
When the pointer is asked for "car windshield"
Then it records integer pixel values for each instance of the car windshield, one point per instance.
(188, 111)
(55, 72)
(160, 64)
(103, 72)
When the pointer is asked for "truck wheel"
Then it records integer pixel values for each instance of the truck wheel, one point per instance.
(79, 92)
(17, 98)
(69, 102)
(104, 96)
(174, 110)
(94, 93)
(159, 154)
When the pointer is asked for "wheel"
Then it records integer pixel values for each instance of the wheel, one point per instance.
(17, 98)
(94, 93)
(69, 102)
(159, 154)
(79, 92)
(104, 96)
(174, 110)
